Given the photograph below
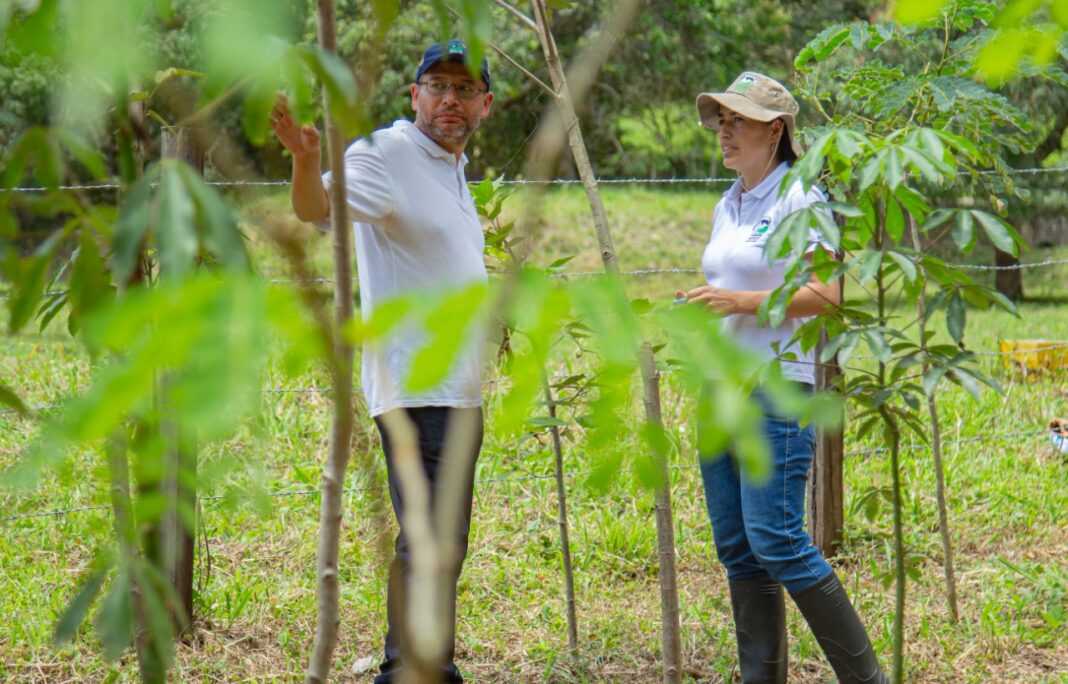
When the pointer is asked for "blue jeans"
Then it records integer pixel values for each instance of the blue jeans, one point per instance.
(759, 530)
(431, 423)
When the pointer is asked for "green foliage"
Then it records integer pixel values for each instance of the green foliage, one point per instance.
(184, 221)
(898, 137)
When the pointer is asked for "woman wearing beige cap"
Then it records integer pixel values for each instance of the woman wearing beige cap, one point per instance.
(759, 527)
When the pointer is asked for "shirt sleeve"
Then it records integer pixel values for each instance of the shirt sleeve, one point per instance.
(798, 199)
(368, 189)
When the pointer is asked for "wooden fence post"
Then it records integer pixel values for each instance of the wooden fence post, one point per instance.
(178, 530)
(826, 517)
(826, 507)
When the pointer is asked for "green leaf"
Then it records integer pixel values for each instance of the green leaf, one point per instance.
(75, 613)
(895, 220)
(384, 318)
(218, 225)
(259, 100)
(604, 307)
(894, 171)
(132, 227)
(114, 620)
(967, 381)
(160, 653)
(176, 235)
(9, 227)
(31, 285)
(545, 422)
(174, 72)
(931, 379)
(999, 59)
(999, 231)
(823, 45)
(385, 13)
(90, 284)
(955, 317)
(964, 231)
(641, 306)
(340, 84)
(917, 11)
(82, 151)
(12, 400)
(1058, 9)
(878, 345)
(869, 173)
(828, 228)
(448, 328)
(558, 265)
(904, 263)
(793, 231)
(913, 202)
(867, 263)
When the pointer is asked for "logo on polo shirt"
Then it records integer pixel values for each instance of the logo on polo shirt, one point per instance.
(759, 231)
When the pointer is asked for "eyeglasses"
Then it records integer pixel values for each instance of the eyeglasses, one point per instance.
(464, 91)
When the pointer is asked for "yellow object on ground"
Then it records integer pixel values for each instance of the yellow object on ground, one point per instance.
(1030, 355)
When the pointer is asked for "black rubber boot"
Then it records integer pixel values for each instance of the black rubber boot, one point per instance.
(760, 623)
(840, 632)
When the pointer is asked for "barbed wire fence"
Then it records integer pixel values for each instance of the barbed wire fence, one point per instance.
(1019, 354)
(512, 479)
(1030, 171)
(1047, 263)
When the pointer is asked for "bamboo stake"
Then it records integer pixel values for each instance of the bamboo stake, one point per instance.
(665, 529)
(671, 637)
(333, 478)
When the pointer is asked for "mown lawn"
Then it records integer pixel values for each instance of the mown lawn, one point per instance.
(256, 585)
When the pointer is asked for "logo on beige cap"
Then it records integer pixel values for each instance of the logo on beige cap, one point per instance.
(743, 83)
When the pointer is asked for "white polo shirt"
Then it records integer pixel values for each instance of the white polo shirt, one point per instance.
(416, 229)
(734, 260)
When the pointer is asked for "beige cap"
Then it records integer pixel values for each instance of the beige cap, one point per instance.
(754, 96)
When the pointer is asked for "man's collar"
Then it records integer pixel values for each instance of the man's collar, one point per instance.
(427, 143)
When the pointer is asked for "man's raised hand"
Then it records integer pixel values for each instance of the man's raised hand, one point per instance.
(299, 140)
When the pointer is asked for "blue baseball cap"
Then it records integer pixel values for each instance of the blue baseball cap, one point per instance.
(452, 51)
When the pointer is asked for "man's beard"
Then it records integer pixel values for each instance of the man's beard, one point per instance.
(455, 134)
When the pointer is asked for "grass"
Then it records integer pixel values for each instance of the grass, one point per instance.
(256, 585)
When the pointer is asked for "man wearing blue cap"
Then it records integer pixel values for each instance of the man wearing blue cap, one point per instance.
(416, 230)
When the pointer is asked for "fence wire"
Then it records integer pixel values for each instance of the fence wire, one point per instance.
(517, 181)
(511, 479)
(492, 383)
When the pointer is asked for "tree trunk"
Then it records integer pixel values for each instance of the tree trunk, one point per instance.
(561, 519)
(178, 525)
(898, 672)
(665, 529)
(149, 663)
(936, 452)
(1009, 276)
(671, 638)
(333, 478)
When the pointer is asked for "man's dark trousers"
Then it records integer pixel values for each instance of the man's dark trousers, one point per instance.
(430, 423)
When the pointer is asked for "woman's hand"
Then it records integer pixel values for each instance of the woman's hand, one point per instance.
(301, 141)
(715, 298)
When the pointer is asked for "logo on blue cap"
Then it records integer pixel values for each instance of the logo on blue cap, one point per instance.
(453, 51)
